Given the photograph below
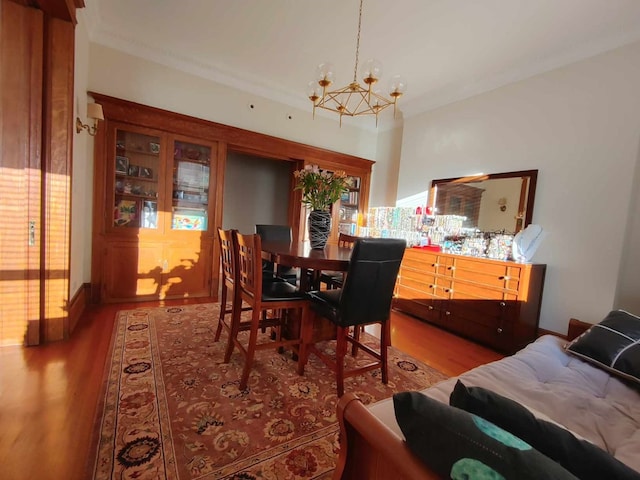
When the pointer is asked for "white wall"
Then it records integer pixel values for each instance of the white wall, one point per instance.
(268, 182)
(580, 127)
(82, 170)
(628, 293)
(124, 76)
(384, 179)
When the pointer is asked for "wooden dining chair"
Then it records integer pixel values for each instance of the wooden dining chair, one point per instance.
(335, 279)
(365, 298)
(261, 296)
(229, 292)
(277, 233)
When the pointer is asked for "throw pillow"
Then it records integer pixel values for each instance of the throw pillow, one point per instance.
(612, 344)
(459, 445)
(582, 458)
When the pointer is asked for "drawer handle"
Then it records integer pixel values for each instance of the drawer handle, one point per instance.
(430, 307)
(451, 268)
(503, 304)
(499, 330)
(432, 286)
(447, 312)
(505, 277)
(448, 290)
(435, 265)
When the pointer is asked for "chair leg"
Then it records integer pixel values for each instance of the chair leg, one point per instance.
(356, 336)
(385, 339)
(341, 351)
(233, 332)
(306, 334)
(251, 349)
(223, 309)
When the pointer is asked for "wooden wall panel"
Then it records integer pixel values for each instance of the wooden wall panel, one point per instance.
(21, 40)
(57, 155)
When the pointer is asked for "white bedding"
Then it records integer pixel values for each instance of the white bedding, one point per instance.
(586, 400)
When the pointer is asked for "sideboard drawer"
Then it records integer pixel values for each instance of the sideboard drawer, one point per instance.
(494, 302)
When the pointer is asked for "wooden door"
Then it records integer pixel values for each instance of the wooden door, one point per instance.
(133, 172)
(134, 179)
(192, 180)
(21, 80)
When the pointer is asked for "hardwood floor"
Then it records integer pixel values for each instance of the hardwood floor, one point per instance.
(48, 394)
(444, 351)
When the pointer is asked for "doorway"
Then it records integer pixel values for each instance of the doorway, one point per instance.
(256, 190)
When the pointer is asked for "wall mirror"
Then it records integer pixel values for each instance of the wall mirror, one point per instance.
(498, 202)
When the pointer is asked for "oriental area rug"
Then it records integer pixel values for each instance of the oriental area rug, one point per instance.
(173, 410)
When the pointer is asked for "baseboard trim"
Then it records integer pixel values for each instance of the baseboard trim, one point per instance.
(77, 306)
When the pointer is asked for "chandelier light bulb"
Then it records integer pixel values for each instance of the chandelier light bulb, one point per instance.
(376, 100)
(397, 86)
(314, 91)
(324, 74)
(371, 71)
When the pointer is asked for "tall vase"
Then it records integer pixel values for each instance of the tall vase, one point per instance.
(319, 228)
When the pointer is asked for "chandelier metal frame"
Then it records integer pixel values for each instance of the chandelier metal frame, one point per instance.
(354, 99)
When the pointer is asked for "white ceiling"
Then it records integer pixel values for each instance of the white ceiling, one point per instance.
(446, 49)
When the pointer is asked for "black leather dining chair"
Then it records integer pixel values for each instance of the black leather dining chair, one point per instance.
(365, 298)
(277, 233)
(335, 279)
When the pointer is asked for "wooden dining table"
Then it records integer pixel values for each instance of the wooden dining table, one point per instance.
(313, 261)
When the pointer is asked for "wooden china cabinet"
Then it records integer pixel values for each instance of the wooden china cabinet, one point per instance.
(156, 191)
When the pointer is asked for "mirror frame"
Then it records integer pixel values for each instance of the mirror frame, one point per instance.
(527, 196)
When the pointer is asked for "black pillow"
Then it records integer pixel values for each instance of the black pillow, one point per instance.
(612, 344)
(582, 458)
(456, 444)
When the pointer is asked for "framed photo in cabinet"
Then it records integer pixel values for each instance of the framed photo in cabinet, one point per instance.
(122, 165)
(353, 182)
(146, 172)
(125, 213)
(189, 219)
(134, 170)
(149, 217)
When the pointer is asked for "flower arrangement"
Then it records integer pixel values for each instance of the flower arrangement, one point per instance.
(320, 189)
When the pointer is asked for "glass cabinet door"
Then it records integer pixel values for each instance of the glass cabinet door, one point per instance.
(136, 184)
(190, 196)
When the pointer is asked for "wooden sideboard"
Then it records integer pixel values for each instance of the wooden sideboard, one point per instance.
(493, 302)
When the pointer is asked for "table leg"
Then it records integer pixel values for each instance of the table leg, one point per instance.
(310, 280)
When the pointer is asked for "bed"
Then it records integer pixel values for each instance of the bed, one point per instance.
(563, 389)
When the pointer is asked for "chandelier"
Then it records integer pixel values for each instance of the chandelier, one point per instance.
(354, 99)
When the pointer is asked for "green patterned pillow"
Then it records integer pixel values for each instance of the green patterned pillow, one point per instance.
(461, 446)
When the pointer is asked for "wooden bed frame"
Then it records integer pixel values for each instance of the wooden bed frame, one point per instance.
(370, 450)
